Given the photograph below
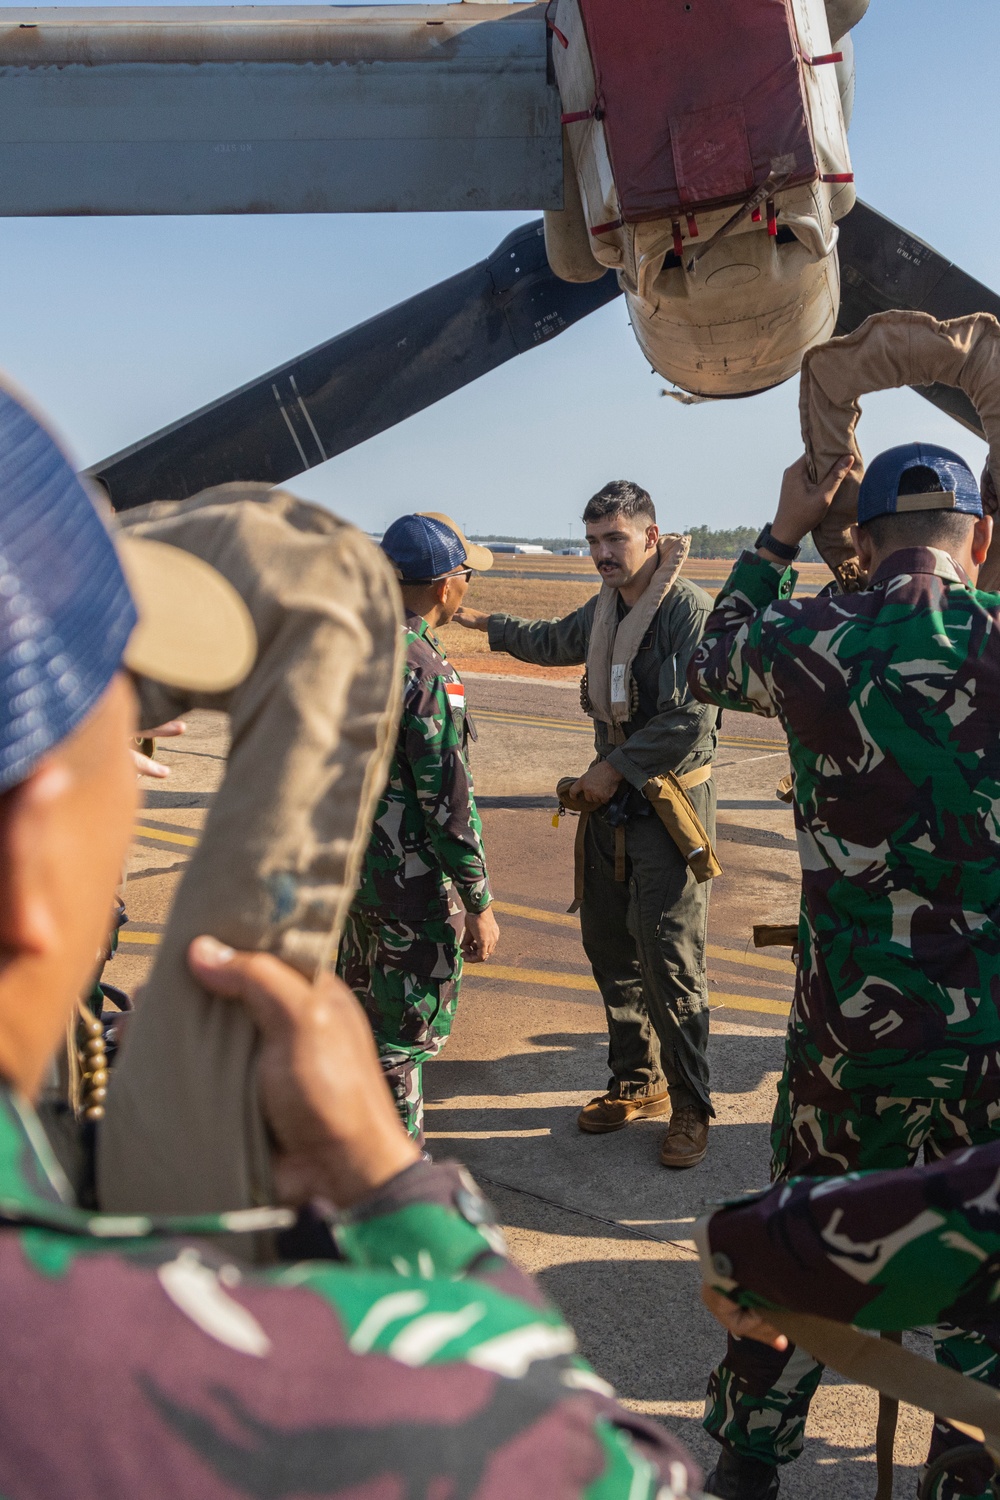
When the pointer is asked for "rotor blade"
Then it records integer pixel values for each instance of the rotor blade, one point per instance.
(365, 380)
(277, 109)
(883, 266)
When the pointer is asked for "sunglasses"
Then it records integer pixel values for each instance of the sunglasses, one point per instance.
(465, 573)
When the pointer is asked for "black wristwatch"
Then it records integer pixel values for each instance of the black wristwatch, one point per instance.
(780, 549)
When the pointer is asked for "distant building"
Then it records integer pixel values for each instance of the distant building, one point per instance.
(575, 552)
(518, 548)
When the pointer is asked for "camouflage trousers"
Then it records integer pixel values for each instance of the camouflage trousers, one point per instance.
(406, 976)
(758, 1398)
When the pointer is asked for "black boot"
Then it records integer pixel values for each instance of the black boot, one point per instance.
(736, 1478)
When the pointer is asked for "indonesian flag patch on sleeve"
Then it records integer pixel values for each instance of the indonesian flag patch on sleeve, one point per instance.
(456, 695)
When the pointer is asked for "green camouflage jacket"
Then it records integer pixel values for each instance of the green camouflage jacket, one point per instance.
(427, 831)
(672, 731)
(891, 702)
(901, 1249)
(141, 1360)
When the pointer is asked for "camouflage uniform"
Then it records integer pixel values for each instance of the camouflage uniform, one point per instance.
(421, 1364)
(400, 950)
(644, 936)
(895, 1250)
(890, 702)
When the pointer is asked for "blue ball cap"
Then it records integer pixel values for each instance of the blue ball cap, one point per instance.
(65, 609)
(422, 547)
(879, 494)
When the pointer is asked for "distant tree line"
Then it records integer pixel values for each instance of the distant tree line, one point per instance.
(704, 542)
(708, 543)
(554, 543)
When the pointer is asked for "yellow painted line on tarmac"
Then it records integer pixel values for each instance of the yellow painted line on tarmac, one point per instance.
(748, 1002)
(497, 716)
(535, 914)
(142, 832)
(754, 743)
(536, 721)
(752, 960)
(546, 978)
(728, 955)
(549, 979)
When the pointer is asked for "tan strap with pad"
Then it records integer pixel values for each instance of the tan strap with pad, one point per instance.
(675, 810)
(967, 1405)
(312, 729)
(695, 778)
(888, 350)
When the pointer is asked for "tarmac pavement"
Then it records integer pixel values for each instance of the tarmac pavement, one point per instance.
(603, 1226)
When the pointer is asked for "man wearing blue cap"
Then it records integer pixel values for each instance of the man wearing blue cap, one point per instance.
(421, 1362)
(406, 935)
(891, 702)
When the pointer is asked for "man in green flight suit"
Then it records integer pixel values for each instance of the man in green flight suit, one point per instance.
(405, 937)
(643, 915)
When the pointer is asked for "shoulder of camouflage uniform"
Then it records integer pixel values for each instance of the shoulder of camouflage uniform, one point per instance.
(427, 672)
(334, 1356)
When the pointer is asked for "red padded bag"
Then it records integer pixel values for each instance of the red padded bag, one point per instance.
(699, 99)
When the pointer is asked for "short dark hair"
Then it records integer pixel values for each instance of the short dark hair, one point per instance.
(920, 528)
(620, 497)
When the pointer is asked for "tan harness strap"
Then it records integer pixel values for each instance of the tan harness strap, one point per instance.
(581, 833)
(885, 1435)
(670, 801)
(967, 1405)
(695, 778)
(682, 822)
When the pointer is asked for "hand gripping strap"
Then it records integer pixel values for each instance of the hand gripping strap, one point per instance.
(312, 728)
(888, 350)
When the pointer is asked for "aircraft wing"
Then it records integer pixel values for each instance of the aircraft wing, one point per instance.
(281, 109)
(362, 382)
(883, 266)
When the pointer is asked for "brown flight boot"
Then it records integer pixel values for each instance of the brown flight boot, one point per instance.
(686, 1140)
(611, 1112)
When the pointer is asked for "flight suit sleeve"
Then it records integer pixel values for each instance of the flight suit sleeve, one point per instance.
(666, 740)
(433, 740)
(732, 666)
(547, 643)
(882, 1250)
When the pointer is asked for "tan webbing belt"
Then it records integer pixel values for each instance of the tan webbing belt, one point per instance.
(669, 799)
(967, 1405)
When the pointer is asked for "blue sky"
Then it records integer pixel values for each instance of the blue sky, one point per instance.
(118, 326)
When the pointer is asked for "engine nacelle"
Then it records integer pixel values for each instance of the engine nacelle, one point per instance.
(843, 15)
(746, 316)
(696, 118)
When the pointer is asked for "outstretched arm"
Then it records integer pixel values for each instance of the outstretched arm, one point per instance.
(547, 643)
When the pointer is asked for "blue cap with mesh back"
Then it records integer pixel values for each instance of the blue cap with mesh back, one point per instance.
(422, 547)
(65, 609)
(879, 494)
